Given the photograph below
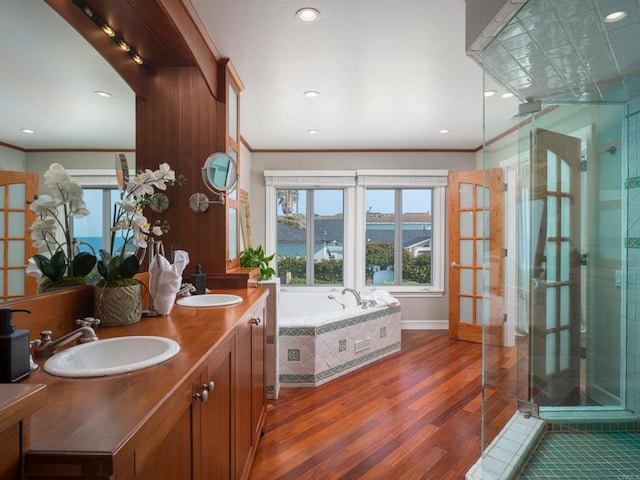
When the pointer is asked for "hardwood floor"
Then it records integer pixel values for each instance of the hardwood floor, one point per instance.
(414, 415)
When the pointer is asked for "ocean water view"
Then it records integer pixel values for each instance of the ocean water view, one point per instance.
(96, 244)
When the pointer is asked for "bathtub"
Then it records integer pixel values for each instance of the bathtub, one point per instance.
(319, 341)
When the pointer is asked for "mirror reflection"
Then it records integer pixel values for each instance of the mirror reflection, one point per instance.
(220, 173)
(54, 73)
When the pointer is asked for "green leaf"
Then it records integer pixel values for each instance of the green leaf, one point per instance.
(83, 263)
(58, 264)
(105, 256)
(112, 269)
(102, 269)
(43, 264)
(129, 267)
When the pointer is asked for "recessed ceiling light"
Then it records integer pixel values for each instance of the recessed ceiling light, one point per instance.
(101, 93)
(490, 93)
(615, 17)
(308, 15)
(26, 130)
(312, 132)
(445, 130)
(507, 95)
(311, 94)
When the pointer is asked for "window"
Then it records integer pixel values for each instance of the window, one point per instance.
(93, 231)
(378, 228)
(310, 252)
(398, 237)
(100, 194)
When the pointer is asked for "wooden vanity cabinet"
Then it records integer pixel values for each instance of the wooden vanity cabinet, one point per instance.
(251, 399)
(212, 429)
(17, 403)
(227, 413)
(206, 428)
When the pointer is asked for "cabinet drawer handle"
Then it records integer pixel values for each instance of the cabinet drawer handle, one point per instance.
(203, 396)
(255, 321)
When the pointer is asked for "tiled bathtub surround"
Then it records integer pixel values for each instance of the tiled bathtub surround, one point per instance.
(313, 355)
(271, 352)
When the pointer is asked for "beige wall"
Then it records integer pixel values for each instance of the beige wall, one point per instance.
(12, 159)
(415, 311)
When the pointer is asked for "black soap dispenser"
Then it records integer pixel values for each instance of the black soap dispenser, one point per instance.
(14, 348)
(199, 280)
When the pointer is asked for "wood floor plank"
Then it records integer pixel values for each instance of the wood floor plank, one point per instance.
(413, 415)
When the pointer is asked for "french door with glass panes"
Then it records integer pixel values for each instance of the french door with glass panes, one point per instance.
(555, 284)
(475, 256)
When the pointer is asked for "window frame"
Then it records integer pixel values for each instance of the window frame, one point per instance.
(354, 183)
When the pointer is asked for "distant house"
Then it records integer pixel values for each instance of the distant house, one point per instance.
(329, 234)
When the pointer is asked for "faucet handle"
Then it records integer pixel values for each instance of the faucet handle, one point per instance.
(33, 366)
(88, 322)
(45, 337)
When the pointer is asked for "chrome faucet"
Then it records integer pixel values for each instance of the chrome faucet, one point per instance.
(84, 334)
(359, 301)
(331, 297)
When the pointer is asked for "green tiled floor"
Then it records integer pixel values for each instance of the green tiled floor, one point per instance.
(585, 456)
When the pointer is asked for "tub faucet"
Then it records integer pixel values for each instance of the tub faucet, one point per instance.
(359, 301)
(331, 297)
(84, 334)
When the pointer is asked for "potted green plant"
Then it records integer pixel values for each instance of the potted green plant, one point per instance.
(255, 257)
(62, 263)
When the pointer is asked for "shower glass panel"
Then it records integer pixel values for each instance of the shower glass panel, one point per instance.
(571, 229)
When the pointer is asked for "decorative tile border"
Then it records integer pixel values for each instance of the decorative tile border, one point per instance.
(633, 182)
(340, 324)
(309, 378)
(632, 242)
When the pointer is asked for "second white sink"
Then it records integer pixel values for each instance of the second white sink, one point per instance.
(111, 356)
(209, 300)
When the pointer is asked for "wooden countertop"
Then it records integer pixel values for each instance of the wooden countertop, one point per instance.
(18, 401)
(96, 417)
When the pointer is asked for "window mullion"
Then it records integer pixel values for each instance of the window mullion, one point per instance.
(106, 218)
(397, 244)
(310, 237)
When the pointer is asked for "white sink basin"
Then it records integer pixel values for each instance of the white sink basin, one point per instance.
(209, 300)
(111, 356)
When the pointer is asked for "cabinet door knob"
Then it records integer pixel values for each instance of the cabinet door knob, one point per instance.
(203, 395)
(256, 321)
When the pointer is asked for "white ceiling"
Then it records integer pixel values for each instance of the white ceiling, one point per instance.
(391, 74)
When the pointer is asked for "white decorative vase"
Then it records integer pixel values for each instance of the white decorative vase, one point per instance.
(116, 306)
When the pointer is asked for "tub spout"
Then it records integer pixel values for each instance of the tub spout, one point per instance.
(359, 301)
(331, 297)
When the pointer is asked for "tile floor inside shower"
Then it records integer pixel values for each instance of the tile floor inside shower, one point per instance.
(585, 456)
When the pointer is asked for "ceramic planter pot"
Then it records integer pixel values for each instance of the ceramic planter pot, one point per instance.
(116, 306)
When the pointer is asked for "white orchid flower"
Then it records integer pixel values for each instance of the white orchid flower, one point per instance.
(43, 204)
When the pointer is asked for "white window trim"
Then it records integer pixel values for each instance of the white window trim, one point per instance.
(354, 183)
(94, 178)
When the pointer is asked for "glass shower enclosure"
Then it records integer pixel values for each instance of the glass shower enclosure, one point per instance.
(572, 211)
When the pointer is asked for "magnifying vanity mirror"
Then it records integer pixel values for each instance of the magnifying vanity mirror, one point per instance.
(220, 175)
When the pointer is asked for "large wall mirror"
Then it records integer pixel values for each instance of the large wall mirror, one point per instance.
(49, 84)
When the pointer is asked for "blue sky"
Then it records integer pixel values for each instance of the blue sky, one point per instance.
(329, 202)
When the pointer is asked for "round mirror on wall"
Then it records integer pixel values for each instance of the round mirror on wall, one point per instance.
(220, 173)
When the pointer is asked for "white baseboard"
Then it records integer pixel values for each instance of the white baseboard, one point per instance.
(424, 324)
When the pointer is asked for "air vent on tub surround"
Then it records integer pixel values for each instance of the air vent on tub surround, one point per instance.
(362, 344)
